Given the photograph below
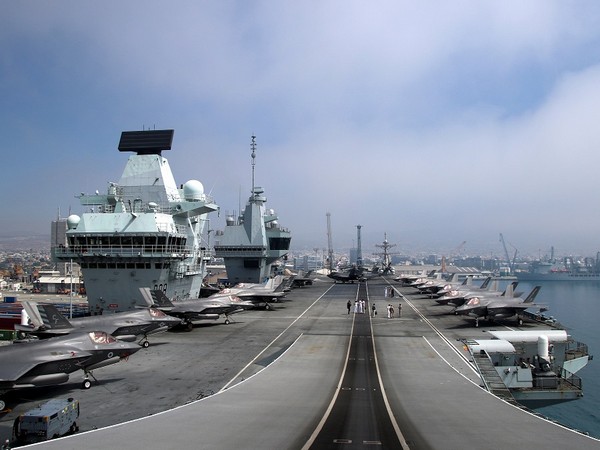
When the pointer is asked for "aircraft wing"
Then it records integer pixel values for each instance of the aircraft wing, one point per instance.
(15, 364)
(507, 305)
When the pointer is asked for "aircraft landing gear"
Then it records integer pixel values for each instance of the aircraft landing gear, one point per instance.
(268, 307)
(476, 321)
(87, 383)
(2, 405)
(519, 320)
(146, 344)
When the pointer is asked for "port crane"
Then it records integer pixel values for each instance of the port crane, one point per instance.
(458, 249)
(511, 264)
(329, 243)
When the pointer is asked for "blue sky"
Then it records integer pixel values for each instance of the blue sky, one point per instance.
(436, 122)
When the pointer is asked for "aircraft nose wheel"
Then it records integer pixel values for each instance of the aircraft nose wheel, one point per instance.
(227, 322)
(86, 384)
(145, 344)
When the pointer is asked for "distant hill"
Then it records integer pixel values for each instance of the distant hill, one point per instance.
(36, 242)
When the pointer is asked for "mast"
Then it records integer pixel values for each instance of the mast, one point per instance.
(253, 147)
(359, 261)
(329, 243)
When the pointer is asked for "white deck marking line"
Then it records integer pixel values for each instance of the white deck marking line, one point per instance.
(401, 438)
(319, 427)
(273, 341)
(472, 368)
(438, 332)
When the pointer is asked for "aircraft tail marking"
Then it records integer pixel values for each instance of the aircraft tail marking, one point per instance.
(532, 294)
(52, 317)
(155, 298)
(486, 282)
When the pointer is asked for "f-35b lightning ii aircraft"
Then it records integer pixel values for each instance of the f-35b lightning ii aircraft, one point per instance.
(498, 307)
(194, 310)
(50, 361)
(47, 321)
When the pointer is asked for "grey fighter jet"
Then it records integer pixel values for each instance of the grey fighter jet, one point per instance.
(303, 279)
(47, 321)
(50, 361)
(352, 275)
(456, 296)
(407, 279)
(436, 288)
(260, 294)
(194, 310)
(453, 283)
(345, 277)
(498, 307)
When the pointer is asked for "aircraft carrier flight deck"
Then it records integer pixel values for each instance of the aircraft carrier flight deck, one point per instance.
(306, 374)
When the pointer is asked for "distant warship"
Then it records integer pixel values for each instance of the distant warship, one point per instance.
(145, 232)
(251, 243)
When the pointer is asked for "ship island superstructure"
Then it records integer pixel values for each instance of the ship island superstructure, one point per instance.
(250, 244)
(144, 233)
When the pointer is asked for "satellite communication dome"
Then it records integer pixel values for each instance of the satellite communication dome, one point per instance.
(193, 190)
(73, 221)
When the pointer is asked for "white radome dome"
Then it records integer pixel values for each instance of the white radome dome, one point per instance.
(193, 190)
(72, 221)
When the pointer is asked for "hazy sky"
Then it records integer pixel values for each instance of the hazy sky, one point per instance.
(436, 122)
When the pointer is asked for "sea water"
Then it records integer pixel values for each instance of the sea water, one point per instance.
(576, 305)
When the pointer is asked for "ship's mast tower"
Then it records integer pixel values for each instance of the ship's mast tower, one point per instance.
(253, 147)
(359, 261)
(387, 261)
(329, 243)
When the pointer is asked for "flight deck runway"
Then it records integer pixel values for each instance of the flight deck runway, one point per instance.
(312, 353)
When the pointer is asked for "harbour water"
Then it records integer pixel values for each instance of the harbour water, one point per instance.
(576, 305)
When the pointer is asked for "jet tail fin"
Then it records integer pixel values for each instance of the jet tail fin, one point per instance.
(532, 294)
(282, 283)
(155, 298)
(485, 283)
(46, 316)
(510, 289)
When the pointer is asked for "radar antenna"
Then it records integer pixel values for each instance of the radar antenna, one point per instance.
(253, 147)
